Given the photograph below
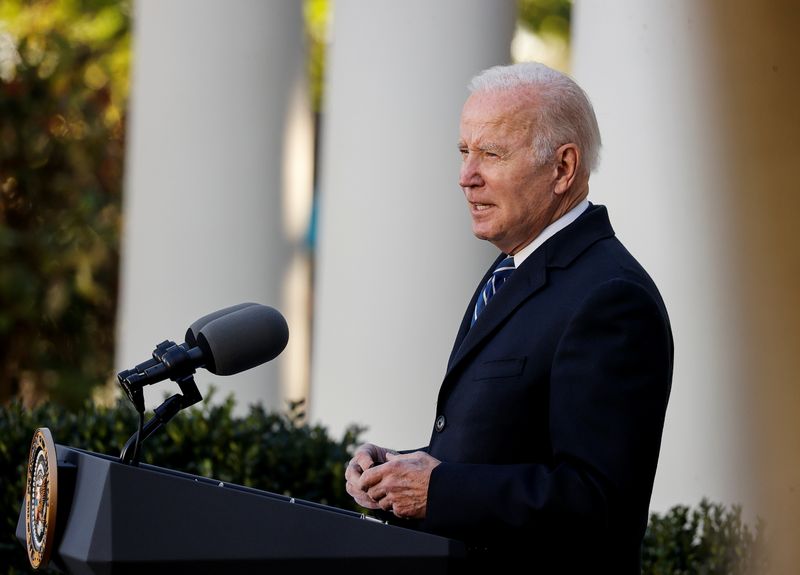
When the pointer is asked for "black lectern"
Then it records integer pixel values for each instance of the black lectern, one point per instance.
(116, 518)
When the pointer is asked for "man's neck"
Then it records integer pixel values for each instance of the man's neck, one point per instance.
(551, 230)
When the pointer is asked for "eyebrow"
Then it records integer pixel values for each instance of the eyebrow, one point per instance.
(487, 147)
(492, 147)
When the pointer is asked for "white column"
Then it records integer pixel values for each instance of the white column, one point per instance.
(397, 261)
(642, 65)
(758, 83)
(698, 107)
(211, 195)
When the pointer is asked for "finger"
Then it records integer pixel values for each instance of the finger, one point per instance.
(393, 455)
(373, 476)
(363, 460)
(366, 502)
(397, 509)
(376, 493)
(386, 503)
(353, 471)
(360, 497)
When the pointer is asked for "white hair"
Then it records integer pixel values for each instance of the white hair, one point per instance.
(564, 114)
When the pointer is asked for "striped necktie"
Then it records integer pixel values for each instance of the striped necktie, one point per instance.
(499, 276)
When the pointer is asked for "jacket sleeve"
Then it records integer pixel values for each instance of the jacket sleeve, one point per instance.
(609, 385)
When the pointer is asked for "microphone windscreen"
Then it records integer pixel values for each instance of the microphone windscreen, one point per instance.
(194, 329)
(242, 339)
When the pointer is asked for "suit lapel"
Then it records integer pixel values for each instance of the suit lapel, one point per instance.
(559, 251)
(464, 328)
(522, 284)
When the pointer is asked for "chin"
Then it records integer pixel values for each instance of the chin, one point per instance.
(479, 234)
(483, 232)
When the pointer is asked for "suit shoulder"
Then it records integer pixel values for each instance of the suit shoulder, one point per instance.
(613, 260)
(606, 267)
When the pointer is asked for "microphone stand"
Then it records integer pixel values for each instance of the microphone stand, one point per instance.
(164, 412)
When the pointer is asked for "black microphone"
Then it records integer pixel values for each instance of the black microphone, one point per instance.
(242, 339)
(225, 342)
(191, 334)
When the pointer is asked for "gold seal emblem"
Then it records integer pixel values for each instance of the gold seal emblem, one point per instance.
(41, 498)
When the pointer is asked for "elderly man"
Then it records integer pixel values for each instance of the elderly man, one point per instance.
(549, 418)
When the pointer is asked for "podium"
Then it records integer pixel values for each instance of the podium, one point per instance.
(115, 518)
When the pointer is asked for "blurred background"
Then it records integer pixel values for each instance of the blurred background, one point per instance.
(163, 159)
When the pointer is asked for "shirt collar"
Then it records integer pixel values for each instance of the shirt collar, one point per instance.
(550, 231)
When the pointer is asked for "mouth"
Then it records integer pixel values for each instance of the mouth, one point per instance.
(477, 207)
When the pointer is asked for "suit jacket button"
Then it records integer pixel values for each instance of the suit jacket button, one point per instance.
(440, 423)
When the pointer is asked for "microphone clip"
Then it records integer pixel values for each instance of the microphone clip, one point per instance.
(169, 361)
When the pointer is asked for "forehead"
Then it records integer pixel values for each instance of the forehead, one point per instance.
(498, 113)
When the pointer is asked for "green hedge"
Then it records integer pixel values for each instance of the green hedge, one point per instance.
(707, 540)
(280, 453)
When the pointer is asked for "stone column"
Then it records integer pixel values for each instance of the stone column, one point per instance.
(757, 53)
(218, 174)
(397, 262)
(642, 65)
(697, 103)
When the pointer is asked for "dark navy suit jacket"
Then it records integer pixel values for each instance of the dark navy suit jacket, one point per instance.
(549, 418)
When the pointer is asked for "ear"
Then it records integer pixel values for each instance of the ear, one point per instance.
(567, 160)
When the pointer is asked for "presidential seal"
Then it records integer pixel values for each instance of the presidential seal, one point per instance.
(41, 498)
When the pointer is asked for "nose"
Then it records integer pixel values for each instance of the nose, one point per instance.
(470, 175)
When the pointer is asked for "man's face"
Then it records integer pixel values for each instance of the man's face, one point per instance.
(510, 198)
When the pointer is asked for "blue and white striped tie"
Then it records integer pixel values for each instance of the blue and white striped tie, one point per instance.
(499, 276)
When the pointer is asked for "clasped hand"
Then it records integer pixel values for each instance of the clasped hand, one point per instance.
(379, 478)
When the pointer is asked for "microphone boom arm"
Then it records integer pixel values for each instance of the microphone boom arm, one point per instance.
(169, 361)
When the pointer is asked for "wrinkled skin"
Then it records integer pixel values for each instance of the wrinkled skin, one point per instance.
(378, 478)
